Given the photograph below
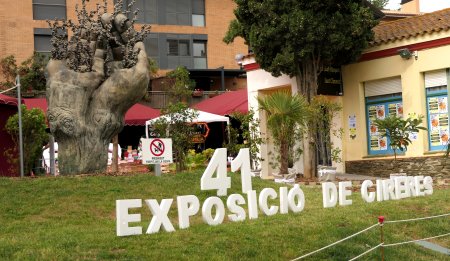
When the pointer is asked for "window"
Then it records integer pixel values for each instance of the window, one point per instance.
(49, 9)
(198, 13)
(42, 37)
(437, 109)
(383, 98)
(174, 12)
(178, 47)
(173, 50)
(178, 12)
(152, 47)
(199, 51)
(147, 11)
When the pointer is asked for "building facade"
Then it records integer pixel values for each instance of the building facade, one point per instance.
(404, 72)
(183, 32)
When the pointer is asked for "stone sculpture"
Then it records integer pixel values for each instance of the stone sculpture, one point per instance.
(92, 80)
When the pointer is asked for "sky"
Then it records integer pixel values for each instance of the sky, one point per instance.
(425, 5)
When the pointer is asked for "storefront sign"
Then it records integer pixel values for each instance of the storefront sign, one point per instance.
(156, 151)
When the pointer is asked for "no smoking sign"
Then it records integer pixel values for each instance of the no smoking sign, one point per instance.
(156, 151)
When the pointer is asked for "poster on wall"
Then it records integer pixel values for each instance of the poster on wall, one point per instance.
(380, 112)
(434, 118)
(433, 105)
(373, 129)
(372, 110)
(383, 143)
(438, 117)
(443, 120)
(399, 107)
(442, 104)
(392, 109)
(374, 145)
(443, 135)
(352, 126)
(434, 137)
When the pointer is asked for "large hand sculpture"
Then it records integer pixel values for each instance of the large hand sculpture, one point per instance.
(87, 100)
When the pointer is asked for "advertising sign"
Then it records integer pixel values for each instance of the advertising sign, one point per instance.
(156, 151)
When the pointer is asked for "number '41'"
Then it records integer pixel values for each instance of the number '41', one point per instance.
(218, 164)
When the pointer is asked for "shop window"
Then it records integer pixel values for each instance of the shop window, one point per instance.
(437, 109)
(49, 9)
(383, 99)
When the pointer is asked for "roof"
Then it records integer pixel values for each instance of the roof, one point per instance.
(412, 27)
(4, 99)
(138, 114)
(135, 116)
(202, 116)
(226, 103)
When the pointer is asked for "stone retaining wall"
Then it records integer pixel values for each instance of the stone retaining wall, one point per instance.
(434, 166)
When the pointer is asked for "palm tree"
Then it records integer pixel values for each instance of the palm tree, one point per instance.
(286, 114)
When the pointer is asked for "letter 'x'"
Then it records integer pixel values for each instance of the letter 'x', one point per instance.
(159, 215)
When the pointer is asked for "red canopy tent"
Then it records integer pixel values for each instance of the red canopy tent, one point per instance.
(8, 107)
(4, 99)
(135, 116)
(226, 103)
(139, 114)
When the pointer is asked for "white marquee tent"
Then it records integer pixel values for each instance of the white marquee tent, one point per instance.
(201, 117)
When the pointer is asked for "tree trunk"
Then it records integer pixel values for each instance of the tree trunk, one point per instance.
(307, 73)
(284, 157)
(115, 158)
(88, 154)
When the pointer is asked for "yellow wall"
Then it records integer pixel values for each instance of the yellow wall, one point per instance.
(413, 92)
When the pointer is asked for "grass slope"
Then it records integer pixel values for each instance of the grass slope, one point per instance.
(74, 218)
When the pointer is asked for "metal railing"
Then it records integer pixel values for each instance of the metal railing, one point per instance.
(161, 99)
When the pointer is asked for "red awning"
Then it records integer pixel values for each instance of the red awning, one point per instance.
(136, 115)
(40, 103)
(139, 114)
(4, 99)
(226, 103)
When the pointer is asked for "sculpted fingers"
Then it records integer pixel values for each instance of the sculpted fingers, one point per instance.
(55, 66)
(124, 27)
(142, 55)
(99, 62)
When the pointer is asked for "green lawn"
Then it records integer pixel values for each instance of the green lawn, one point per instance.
(67, 218)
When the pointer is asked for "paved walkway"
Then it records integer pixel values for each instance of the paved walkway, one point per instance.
(345, 176)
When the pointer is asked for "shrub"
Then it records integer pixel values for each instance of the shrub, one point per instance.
(33, 136)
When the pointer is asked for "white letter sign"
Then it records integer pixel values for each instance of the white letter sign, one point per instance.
(123, 218)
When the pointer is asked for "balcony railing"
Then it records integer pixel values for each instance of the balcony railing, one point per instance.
(160, 99)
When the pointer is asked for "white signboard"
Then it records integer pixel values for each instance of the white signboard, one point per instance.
(156, 151)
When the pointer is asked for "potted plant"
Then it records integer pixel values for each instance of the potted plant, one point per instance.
(286, 117)
(399, 130)
(197, 93)
(322, 113)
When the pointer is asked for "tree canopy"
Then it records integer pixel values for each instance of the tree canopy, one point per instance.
(379, 3)
(298, 37)
(301, 37)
